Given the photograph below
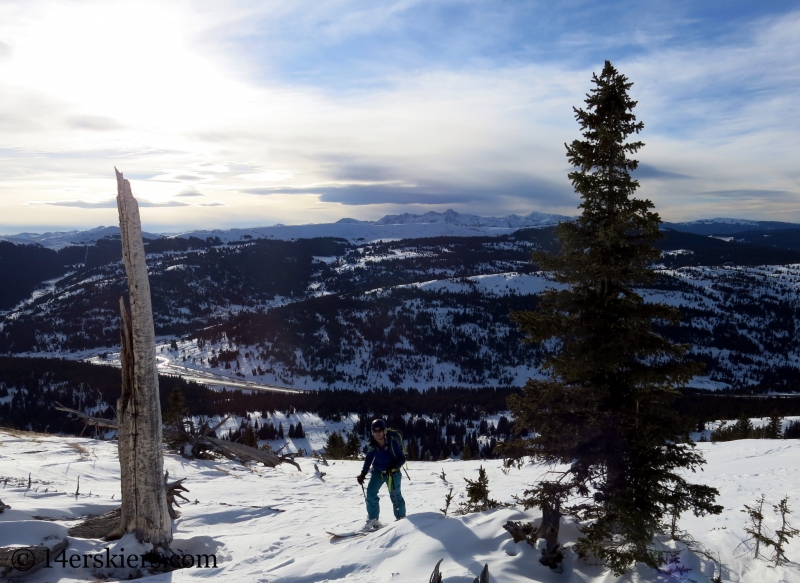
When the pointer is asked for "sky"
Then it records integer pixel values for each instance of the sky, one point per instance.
(252, 113)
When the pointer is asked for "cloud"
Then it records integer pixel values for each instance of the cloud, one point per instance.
(189, 193)
(527, 189)
(103, 204)
(214, 203)
(462, 104)
(5, 50)
(648, 171)
(188, 177)
(751, 193)
(169, 203)
(83, 204)
(94, 122)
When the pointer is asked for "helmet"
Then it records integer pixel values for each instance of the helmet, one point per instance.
(379, 424)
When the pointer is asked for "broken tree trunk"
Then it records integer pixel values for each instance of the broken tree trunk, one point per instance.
(548, 530)
(144, 502)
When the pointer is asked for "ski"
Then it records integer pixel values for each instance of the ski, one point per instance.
(353, 533)
(347, 534)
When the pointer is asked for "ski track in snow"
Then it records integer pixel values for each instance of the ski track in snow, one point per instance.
(268, 524)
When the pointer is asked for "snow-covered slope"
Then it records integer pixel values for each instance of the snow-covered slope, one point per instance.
(268, 524)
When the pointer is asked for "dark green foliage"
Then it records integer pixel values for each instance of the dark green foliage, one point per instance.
(335, 446)
(711, 251)
(249, 438)
(478, 499)
(441, 433)
(774, 429)
(710, 406)
(352, 449)
(792, 430)
(607, 410)
(23, 267)
(38, 382)
(176, 409)
(743, 429)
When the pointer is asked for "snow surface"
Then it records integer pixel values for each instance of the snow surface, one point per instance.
(268, 524)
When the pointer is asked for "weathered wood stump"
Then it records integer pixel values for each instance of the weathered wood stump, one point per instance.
(144, 502)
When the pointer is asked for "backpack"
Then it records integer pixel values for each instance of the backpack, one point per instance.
(396, 435)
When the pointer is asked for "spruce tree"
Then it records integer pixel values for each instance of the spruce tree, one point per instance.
(176, 409)
(352, 448)
(606, 410)
(774, 429)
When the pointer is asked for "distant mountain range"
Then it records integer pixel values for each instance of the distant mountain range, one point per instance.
(60, 239)
(432, 224)
(722, 226)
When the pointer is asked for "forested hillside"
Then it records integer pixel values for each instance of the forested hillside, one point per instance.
(329, 313)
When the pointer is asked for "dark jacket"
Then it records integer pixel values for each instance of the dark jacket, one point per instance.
(381, 457)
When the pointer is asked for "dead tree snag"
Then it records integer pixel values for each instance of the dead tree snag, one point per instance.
(144, 501)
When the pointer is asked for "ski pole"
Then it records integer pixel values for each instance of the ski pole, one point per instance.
(406, 471)
(363, 491)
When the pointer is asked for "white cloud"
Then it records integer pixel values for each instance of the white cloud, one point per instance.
(162, 91)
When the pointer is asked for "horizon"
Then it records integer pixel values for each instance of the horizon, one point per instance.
(347, 219)
(224, 116)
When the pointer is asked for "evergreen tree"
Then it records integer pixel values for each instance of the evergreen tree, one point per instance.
(249, 438)
(176, 409)
(784, 533)
(743, 428)
(755, 527)
(280, 431)
(335, 446)
(774, 429)
(413, 449)
(353, 446)
(298, 430)
(607, 410)
(478, 494)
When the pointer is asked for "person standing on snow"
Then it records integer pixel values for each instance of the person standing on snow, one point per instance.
(386, 458)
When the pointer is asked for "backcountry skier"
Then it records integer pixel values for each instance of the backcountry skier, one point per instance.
(386, 458)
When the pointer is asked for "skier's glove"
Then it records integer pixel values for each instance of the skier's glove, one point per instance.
(360, 478)
(392, 467)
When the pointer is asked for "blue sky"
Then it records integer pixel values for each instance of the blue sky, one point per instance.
(251, 113)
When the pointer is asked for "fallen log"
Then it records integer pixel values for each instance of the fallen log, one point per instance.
(96, 422)
(230, 449)
(16, 562)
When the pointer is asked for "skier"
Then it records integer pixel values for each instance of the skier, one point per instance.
(386, 458)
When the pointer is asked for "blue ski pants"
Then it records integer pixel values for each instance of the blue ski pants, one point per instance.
(392, 481)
